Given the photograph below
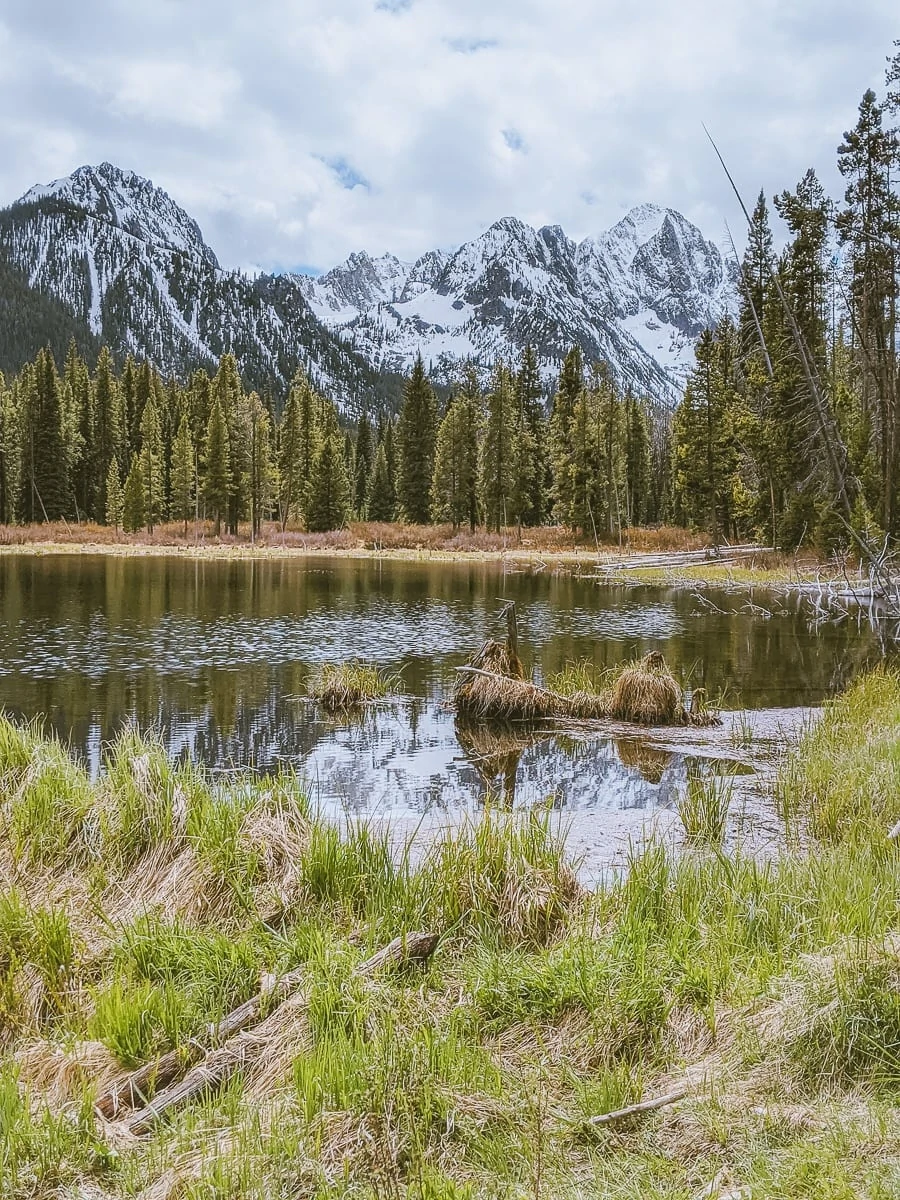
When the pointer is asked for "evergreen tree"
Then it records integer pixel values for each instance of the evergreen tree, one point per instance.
(151, 464)
(568, 392)
(107, 424)
(363, 459)
(703, 449)
(228, 391)
(533, 483)
(217, 466)
(637, 461)
(499, 464)
(79, 433)
(299, 442)
(380, 495)
(261, 474)
(869, 225)
(454, 488)
(183, 476)
(330, 492)
(44, 482)
(415, 436)
(115, 500)
(134, 507)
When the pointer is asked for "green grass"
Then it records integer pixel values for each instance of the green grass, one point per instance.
(139, 908)
(703, 810)
(349, 685)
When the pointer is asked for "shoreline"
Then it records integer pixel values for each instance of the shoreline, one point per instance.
(612, 568)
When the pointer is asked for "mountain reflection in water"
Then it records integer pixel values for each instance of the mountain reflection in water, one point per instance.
(216, 657)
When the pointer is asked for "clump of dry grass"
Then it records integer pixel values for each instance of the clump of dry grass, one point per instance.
(493, 688)
(647, 693)
(342, 687)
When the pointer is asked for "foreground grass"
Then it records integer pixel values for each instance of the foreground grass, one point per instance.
(137, 909)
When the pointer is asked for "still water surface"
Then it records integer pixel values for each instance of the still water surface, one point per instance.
(217, 656)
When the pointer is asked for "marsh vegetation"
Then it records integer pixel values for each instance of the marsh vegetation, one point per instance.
(143, 906)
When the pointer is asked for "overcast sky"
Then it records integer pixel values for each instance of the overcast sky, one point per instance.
(296, 131)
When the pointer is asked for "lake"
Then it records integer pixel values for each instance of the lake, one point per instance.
(216, 656)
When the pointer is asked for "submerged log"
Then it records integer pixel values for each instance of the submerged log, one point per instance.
(249, 1045)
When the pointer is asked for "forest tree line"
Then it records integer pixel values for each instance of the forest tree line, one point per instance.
(789, 429)
(132, 450)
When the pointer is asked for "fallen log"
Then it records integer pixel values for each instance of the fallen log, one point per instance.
(137, 1087)
(248, 1046)
(633, 1110)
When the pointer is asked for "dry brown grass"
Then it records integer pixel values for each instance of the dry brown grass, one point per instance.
(647, 693)
(358, 535)
(644, 693)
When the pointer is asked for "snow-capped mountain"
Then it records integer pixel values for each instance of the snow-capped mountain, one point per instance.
(132, 268)
(131, 264)
(636, 296)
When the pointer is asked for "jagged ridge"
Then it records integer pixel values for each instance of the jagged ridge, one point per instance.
(637, 297)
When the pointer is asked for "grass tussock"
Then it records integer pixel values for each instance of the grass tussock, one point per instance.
(340, 687)
(643, 693)
(768, 987)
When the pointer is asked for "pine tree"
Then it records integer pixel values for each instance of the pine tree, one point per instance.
(454, 488)
(151, 464)
(499, 462)
(637, 461)
(869, 225)
(299, 442)
(44, 481)
(703, 447)
(363, 458)
(134, 507)
(330, 492)
(533, 481)
(79, 433)
(416, 432)
(261, 475)
(568, 392)
(183, 477)
(217, 466)
(380, 494)
(107, 424)
(228, 391)
(10, 453)
(115, 500)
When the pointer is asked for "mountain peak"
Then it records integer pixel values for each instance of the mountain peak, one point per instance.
(128, 202)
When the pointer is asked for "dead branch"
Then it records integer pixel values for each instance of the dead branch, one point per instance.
(248, 1046)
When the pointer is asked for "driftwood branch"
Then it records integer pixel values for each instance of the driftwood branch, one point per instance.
(247, 1046)
(136, 1087)
(633, 1110)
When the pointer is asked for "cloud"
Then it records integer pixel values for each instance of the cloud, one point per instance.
(296, 131)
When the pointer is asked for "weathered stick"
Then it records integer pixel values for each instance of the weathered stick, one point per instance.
(247, 1046)
(136, 1087)
(633, 1110)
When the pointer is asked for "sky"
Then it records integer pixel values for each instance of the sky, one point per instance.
(298, 131)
